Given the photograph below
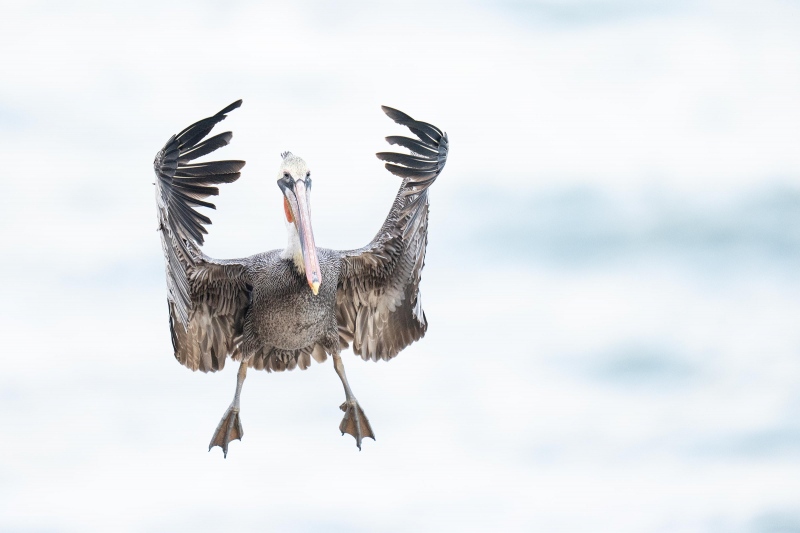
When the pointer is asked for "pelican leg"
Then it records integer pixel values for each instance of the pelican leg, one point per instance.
(230, 427)
(355, 422)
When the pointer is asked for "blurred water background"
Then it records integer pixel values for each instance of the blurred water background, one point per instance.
(611, 283)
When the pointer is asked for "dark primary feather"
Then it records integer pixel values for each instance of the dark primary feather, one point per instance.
(378, 304)
(426, 132)
(210, 169)
(207, 298)
(407, 160)
(206, 147)
(415, 146)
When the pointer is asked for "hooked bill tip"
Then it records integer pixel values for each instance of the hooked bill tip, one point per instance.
(314, 287)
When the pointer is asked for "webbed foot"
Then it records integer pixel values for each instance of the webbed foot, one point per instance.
(355, 422)
(229, 428)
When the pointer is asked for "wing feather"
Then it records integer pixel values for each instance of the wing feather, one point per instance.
(207, 299)
(206, 147)
(378, 303)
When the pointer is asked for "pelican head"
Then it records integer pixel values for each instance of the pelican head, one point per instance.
(294, 180)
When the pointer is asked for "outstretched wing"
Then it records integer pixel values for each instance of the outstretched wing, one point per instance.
(378, 304)
(207, 298)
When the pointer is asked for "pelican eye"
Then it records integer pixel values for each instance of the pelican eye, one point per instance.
(286, 180)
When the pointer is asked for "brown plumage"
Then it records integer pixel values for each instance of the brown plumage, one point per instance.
(279, 310)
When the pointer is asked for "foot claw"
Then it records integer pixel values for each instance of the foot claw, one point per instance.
(229, 428)
(355, 422)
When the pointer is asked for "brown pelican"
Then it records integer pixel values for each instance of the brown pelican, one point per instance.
(278, 310)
